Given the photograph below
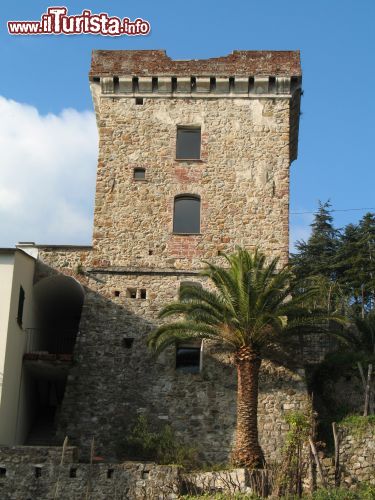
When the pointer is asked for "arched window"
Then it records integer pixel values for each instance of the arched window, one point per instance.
(186, 217)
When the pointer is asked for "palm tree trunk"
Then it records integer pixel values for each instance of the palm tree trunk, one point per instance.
(248, 452)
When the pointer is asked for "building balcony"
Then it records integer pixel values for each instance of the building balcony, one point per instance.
(55, 346)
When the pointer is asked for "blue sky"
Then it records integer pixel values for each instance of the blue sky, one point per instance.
(48, 74)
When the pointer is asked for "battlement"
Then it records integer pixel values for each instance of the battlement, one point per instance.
(152, 72)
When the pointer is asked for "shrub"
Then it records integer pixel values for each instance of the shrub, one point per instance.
(363, 492)
(159, 445)
(222, 496)
(291, 471)
(358, 424)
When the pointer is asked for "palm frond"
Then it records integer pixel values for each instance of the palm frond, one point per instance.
(183, 331)
(253, 303)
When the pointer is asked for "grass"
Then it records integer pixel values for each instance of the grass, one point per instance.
(358, 425)
(363, 492)
(355, 421)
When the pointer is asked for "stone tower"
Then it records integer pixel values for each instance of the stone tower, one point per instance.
(194, 159)
(243, 110)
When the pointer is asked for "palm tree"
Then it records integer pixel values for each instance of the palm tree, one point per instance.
(251, 309)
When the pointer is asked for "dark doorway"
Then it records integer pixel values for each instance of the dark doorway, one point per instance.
(59, 301)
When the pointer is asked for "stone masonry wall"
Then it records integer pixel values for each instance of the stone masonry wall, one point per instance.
(111, 384)
(63, 259)
(357, 457)
(242, 179)
(25, 474)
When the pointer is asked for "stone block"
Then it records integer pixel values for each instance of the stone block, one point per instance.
(241, 85)
(282, 85)
(125, 84)
(164, 84)
(222, 85)
(183, 85)
(145, 84)
(107, 84)
(203, 84)
(261, 84)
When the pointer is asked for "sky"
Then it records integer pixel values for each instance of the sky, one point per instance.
(48, 138)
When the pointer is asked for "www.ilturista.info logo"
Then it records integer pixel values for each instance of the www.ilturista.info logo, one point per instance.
(57, 22)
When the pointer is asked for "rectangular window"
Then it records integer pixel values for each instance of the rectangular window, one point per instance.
(188, 358)
(139, 174)
(131, 293)
(188, 145)
(21, 300)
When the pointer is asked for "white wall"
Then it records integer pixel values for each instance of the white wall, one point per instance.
(14, 408)
(6, 277)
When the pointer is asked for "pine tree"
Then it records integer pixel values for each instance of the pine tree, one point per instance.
(355, 263)
(367, 255)
(316, 257)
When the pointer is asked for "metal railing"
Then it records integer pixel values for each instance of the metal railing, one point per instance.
(58, 341)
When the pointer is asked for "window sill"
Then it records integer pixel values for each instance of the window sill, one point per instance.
(190, 160)
(187, 234)
(140, 180)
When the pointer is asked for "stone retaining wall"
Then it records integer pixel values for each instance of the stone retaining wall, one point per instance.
(357, 456)
(26, 474)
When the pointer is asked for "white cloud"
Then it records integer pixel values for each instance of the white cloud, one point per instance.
(47, 175)
(299, 228)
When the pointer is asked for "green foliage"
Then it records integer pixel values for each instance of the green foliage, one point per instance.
(252, 305)
(291, 471)
(222, 496)
(357, 424)
(345, 258)
(316, 256)
(355, 262)
(358, 421)
(299, 427)
(216, 467)
(337, 364)
(363, 338)
(160, 445)
(363, 492)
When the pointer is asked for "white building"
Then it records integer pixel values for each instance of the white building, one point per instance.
(39, 317)
(16, 316)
